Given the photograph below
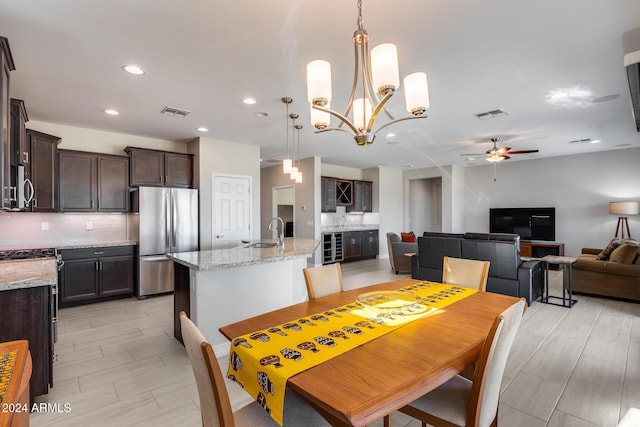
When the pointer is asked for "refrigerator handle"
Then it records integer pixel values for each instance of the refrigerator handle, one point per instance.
(167, 223)
(174, 224)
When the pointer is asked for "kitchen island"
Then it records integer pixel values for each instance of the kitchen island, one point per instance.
(27, 301)
(218, 287)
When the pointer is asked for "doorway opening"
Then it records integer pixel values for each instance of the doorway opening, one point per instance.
(283, 201)
(425, 205)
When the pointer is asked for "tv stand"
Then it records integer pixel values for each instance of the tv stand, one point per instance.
(539, 249)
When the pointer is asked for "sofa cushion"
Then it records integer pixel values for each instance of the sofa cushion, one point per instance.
(606, 252)
(408, 237)
(624, 254)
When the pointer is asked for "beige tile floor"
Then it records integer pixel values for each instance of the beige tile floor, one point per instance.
(117, 364)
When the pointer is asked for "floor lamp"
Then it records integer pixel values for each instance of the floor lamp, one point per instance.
(623, 209)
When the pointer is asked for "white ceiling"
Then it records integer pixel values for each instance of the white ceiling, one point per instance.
(205, 56)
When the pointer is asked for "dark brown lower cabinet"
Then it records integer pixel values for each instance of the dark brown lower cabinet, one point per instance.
(359, 245)
(96, 274)
(25, 314)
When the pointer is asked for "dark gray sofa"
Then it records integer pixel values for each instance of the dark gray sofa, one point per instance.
(508, 274)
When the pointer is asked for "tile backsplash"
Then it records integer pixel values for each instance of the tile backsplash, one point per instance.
(29, 230)
(329, 219)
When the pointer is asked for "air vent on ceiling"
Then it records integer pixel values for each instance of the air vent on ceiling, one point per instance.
(580, 141)
(172, 111)
(492, 114)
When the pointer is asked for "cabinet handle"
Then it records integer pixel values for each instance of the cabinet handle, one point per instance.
(92, 204)
(35, 203)
(100, 265)
(98, 253)
(26, 156)
(97, 265)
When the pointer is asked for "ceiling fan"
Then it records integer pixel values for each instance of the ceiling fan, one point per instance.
(495, 154)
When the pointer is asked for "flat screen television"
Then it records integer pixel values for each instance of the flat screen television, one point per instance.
(529, 223)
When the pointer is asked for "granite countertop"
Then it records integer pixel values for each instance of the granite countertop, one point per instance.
(219, 259)
(358, 227)
(28, 273)
(96, 244)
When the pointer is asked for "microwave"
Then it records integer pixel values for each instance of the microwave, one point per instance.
(22, 193)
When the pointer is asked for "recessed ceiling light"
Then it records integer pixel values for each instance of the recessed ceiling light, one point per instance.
(391, 135)
(262, 114)
(202, 129)
(471, 158)
(594, 141)
(133, 69)
(248, 101)
(112, 112)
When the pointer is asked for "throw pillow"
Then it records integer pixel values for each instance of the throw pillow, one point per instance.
(624, 254)
(408, 237)
(606, 252)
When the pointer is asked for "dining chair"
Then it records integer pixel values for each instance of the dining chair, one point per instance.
(214, 399)
(461, 402)
(323, 281)
(468, 273)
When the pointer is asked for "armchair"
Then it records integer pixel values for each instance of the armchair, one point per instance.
(397, 250)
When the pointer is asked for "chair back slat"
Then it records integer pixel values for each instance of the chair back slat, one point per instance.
(468, 273)
(323, 281)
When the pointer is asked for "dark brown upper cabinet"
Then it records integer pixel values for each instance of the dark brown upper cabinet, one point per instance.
(43, 154)
(19, 119)
(92, 182)
(362, 197)
(160, 168)
(6, 66)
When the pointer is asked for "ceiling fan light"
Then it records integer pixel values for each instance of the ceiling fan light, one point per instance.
(361, 112)
(286, 165)
(319, 82)
(384, 68)
(416, 92)
(320, 119)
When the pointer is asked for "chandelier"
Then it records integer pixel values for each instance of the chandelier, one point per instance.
(376, 77)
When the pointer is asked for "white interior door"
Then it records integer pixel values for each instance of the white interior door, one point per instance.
(231, 210)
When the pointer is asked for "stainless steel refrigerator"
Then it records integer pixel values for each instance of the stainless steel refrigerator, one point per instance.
(167, 221)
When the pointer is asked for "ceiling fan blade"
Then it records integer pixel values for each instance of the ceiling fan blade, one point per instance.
(522, 151)
(503, 150)
(504, 156)
(472, 154)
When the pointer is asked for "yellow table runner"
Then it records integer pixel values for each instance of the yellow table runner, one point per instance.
(262, 361)
(7, 363)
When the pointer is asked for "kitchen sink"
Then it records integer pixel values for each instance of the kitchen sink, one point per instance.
(263, 245)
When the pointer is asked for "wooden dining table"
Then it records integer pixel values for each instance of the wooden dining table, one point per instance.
(385, 374)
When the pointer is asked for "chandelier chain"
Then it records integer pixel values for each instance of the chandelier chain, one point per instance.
(360, 14)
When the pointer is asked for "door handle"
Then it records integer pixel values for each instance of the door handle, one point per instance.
(31, 193)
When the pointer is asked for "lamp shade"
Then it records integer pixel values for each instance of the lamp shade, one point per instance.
(318, 80)
(286, 165)
(384, 67)
(299, 178)
(361, 114)
(416, 92)
(320, 119)
(294, 173)
(624, 208)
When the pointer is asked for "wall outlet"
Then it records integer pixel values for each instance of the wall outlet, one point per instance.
(44, 226)
(89, 225)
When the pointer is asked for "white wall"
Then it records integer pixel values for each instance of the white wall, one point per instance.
(391, 206)
(97, 141)
(580, 187)
(425, 199)
(224, 158)
(341, 172)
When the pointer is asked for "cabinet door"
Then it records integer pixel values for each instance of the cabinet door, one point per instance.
(370, 244)
(344, 192)
(78, 187)
(25, 315)
(19, 154)
(367, 193)
(116, 275)
(44, 149)
(328, 190)
(5, 170)
(178, 170)
(352, 246)
(79, 280)
(147, 167)
(113, 184)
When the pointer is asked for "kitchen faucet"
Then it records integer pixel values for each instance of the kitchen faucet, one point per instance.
(343, 220)
(269, 227)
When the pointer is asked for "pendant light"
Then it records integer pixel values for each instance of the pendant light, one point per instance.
(294, 168)
(287, 162)
(299, 175)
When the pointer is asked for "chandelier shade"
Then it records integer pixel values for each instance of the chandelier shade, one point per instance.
(319, 82)
(376, 79)
(384, 65)
(624, 208)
